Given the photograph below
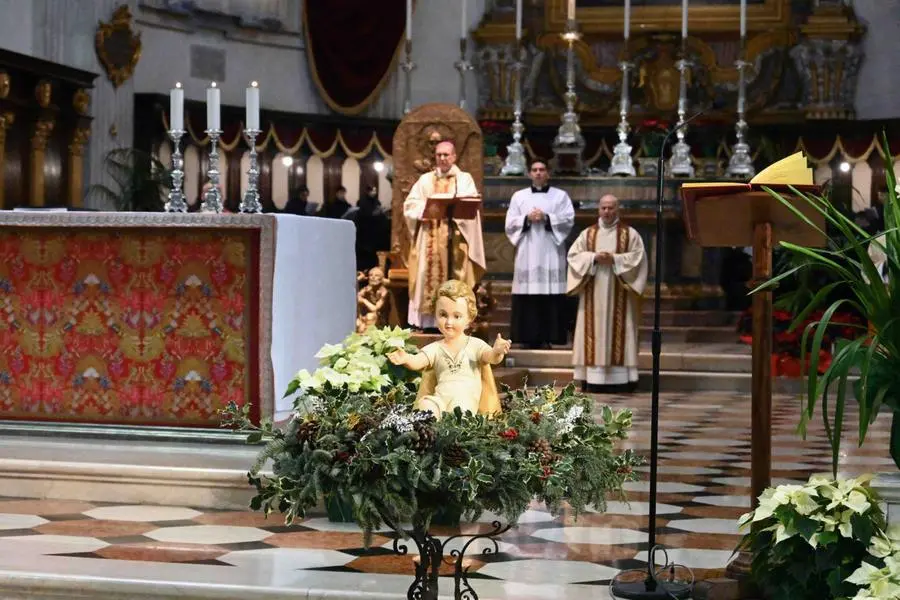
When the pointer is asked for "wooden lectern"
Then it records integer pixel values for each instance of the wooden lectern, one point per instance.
(729, 216)
(440, 207)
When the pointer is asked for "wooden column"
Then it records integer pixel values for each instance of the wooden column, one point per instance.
(76, 167)
(6, 121)
(39, 138)
(761, 406)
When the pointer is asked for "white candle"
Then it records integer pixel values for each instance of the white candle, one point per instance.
(212, 107)
(743, 19)
(684, 13)
(571, 12)
(253, 106)
(409, 16)
(464, 25)
(176, 108)
(518, 20)
(627, 19)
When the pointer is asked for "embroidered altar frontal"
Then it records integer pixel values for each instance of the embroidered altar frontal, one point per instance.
(156, 324)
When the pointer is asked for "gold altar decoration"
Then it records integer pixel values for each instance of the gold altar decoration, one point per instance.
(118, 46)
(43, 93)
(776, 42)
(4, 84)
(372, 300)
(81, 100)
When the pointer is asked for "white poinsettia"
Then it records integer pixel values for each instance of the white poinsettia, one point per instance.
(883, 584)
(847, 493)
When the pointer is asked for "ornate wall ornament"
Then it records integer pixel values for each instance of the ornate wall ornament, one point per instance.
(43, 93)
(81, 101)
(79, 139)
(118, 46)
(41, 135)
(828, 59)
(4, 84)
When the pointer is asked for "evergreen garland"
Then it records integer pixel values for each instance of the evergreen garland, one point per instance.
(368, 447)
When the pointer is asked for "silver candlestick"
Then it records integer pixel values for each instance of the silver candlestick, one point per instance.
(463, 66)
(515, 163)
(407, 65)
(569, 141)
(680, 163)
(250, 202)
(622, 163)
(740, 165)
(176, 202)
(212, 199)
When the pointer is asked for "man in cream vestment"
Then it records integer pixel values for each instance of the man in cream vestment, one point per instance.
(428, 252)
(608, 271)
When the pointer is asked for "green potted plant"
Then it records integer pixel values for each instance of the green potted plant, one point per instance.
(809, 542)
(874, 355)
(141, 181)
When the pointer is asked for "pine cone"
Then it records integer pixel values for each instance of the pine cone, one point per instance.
(543, 448)
(426, 439)
(307, 432)
(364, 425)
(455, 456)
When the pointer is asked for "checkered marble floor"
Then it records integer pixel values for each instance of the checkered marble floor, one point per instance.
(703, 488)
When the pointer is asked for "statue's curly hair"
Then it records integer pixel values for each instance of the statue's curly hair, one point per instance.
(455, 289)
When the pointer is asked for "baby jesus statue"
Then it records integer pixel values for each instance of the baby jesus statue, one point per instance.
(457, 368)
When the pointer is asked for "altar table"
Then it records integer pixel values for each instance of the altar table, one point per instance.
(162, 319)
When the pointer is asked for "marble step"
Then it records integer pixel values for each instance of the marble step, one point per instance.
(678, 381)
(710, 358)
(127, 471)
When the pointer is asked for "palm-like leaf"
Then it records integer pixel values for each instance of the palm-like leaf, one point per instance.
(140, 177)
(876, 355)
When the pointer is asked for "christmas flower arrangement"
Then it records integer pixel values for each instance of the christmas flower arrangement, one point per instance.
(358, 439)
(809, 542)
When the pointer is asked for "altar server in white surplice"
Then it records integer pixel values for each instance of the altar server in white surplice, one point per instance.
(537, 223)
(608, 271)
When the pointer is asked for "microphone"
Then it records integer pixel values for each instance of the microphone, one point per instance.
(651, 588)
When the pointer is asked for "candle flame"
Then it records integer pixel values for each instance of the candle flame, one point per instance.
(254, 84)
(213, 84)
(178, 84)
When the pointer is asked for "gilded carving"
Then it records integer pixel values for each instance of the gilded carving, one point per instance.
(43, 93)
(414, 141)
(41, 135)
(79, 139)
(118, 46)
(4, 84)
(80, 101)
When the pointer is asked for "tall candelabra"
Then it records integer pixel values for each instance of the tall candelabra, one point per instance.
(250, 202)
(568, 141)
(463, 66)
(680, 163)
(622, 163)
(515, 163)
(407, 65)
(741, 163)
(212, 199)
(176, 202)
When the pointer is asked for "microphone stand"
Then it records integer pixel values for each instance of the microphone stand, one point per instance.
(650, 588)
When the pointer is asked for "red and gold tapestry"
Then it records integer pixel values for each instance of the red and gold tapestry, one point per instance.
(148, 326)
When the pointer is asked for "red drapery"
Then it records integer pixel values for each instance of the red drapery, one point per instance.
(351, 45)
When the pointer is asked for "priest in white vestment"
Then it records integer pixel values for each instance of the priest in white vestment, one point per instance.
(428, 253)
(538, 221)
(608, 270)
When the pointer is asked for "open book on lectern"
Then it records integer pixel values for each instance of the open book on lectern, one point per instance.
(463, 207)
(791, 171)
